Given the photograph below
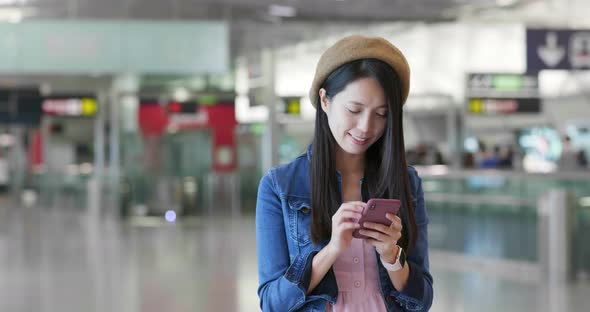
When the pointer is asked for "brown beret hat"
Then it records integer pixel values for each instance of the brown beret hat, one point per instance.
(357, 47)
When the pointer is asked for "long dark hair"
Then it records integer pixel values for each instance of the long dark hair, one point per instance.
(386, 174)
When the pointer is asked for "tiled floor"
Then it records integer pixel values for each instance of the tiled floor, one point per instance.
(52, 260)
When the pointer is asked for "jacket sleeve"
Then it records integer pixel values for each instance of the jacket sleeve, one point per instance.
(417, 295)
(282, 283)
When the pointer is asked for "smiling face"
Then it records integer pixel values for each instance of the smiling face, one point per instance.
(357, 115)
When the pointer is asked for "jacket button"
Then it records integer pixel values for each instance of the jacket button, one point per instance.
(389, 299)
(305, 210)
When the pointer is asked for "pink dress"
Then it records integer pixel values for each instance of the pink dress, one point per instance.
(357, 277)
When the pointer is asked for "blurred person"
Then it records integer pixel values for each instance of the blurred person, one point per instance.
(421, 154)
(412, 157)
(434, 156)
(506, 155)
(426, 155)
(4, 177)
(468, 160)
(481, 153)
(582, 159)
(307, 210)
(571, 159)
(490, 161)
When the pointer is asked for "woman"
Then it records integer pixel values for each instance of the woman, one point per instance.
(307, 210)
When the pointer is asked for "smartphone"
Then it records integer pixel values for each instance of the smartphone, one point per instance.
(375, 212)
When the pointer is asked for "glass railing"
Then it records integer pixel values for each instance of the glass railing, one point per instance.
(505, 183)
(491, 214)
(60, 189)
(494, 214)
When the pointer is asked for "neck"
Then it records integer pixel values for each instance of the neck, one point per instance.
(349, 164)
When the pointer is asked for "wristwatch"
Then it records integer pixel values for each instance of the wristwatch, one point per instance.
(400, 261)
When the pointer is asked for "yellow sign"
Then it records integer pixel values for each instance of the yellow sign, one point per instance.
(89, 107)
(293, 106)
(476, 106)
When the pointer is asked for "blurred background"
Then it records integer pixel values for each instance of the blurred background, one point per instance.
(133, 134)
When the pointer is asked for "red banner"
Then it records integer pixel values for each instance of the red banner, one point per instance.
(220, 119)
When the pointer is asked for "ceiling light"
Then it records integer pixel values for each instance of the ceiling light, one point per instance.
(282, 10)
(15, 15)
(181, 94)
(506, 3)
(6, 140)
(11, 15)
(12, 2)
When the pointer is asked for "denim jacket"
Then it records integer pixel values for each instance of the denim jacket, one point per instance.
(285, 250)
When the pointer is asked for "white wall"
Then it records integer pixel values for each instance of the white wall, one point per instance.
(560, 111)
(439, 55)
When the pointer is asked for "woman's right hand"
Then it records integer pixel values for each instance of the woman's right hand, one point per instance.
(344, 222)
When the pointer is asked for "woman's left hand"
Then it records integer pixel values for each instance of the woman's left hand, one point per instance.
(384, 237)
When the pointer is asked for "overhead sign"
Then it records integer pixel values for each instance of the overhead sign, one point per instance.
(490, 106)
(502, 85)
(186, 107)
(502, 94)
(75, 107)
(557, 49)
(20, 106)
(189, 121)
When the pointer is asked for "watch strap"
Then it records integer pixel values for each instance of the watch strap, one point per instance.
(399, 261)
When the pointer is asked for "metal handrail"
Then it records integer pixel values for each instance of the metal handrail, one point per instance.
(472, 199)
(442, 171)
